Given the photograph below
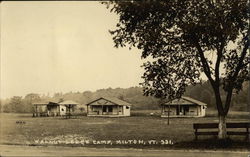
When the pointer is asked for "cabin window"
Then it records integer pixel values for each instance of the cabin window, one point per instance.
(127, 107)
(203, 107)
(62, 109)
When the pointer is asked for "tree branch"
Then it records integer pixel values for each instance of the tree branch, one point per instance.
(203, 60)
(234, 77)
(243, 55)
(215, 84)
(218, 61)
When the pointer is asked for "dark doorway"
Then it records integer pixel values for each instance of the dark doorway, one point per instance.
(110, 109)
(185, 109)
(177, 110)
(104, 109)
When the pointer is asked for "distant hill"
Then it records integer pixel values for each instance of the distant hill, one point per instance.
(205, 94)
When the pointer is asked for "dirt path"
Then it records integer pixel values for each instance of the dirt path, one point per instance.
(12, 150)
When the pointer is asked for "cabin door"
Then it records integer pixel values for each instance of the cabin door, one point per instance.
(185, 110)
(107, 109)
(178, 110)
(110, 109)
(104, 109)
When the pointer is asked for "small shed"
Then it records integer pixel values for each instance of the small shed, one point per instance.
(184, 107)
(108, 107)
(40, 109)
(70, 107)
(54, 109)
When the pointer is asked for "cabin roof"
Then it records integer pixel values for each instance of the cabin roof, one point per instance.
(185, 101)
(68, 102)
(111, 99)
(45, 103)
(40, 103)
(51, 103)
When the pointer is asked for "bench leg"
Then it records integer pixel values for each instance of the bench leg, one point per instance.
(196, 136)
(247, 136)
(215, 137)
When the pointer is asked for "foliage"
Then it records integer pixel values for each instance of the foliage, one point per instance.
(15, 105)
(133, 95)
(177, 37)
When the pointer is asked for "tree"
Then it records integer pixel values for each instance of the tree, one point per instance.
(29, 99)
(15, 105)
(179, 36)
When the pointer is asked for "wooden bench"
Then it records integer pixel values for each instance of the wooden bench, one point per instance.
(209, 129)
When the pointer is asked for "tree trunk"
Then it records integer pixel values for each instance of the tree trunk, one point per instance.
(222, 127)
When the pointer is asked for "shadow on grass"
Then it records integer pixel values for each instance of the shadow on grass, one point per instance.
(212, 143)
(207, 144)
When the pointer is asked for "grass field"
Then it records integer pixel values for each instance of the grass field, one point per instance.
(24, 129)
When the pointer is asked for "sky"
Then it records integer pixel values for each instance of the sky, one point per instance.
(49, 47)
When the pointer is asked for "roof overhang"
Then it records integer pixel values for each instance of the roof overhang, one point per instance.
(168, 104)
(114, 103)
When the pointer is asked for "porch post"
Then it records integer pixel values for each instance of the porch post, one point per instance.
(58, 107)
(68, 112)
(118, 108)
(102, 109)
(179, 109)
(197, 110)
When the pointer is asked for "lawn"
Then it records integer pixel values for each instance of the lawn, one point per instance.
(24, 129)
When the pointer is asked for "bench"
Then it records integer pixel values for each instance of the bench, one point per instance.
(229, 126)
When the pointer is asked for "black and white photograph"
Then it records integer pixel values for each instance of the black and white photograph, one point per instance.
(162, 78)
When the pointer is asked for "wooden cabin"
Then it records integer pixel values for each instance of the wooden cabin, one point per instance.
(184, 107)
(53, 108)
(70, 106)
(108, 107)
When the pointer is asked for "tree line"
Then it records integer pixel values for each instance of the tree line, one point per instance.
(133, 95)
